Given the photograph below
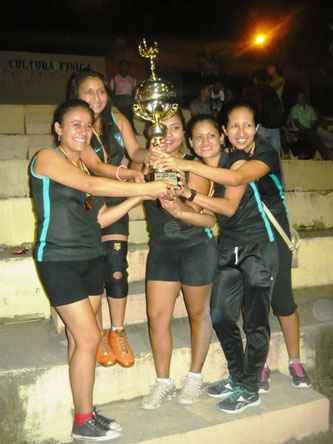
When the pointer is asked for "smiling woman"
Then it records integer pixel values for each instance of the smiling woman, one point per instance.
(70, 210)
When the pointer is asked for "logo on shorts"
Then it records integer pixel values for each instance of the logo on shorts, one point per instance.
(117, 246)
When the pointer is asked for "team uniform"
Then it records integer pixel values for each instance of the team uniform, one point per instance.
(178, 252)
(68, 250)
(243, 280)
(271, 193)
(115, 251)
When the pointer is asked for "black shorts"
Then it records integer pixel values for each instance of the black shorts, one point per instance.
(193, 266)
(66, 282)
(283, 303)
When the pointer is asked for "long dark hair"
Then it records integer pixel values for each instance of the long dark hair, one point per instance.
(64, 108)
(73, 88)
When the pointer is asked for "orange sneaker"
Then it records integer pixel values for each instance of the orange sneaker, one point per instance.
(123, 352)
(105, 353)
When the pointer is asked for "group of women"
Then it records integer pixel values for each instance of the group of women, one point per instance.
(79, 203)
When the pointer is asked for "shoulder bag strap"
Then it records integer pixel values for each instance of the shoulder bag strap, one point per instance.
(279, 228)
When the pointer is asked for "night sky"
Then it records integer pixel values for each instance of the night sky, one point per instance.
(57, 25)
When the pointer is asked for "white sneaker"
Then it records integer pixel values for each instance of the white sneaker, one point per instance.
(157, 393)
(191, 390)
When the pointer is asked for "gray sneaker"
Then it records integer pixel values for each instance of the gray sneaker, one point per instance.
(222, 389)
(92, 430)
(157, 393)
(191, 390)
(108, 423)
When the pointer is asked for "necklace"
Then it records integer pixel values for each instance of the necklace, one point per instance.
(88, 203)
(105, 156)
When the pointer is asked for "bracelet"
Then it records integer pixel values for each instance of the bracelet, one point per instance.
(117, 173)
(193, 194)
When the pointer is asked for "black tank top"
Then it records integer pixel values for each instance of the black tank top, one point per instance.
(65, 230)
(167, 231)
(115, 151)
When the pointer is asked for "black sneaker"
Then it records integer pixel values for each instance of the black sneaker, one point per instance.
(299, 378)
(222, 389)
(92, 430)
(108, 423)
(264, 381)
(240, 400)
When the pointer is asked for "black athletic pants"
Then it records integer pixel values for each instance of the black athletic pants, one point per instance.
(243, 283)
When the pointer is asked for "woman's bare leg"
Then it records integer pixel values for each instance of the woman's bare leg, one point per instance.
(161, 297)
(197, 300)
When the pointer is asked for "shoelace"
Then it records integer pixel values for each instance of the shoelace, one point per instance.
(298, 369)
(158, 390)
(97, 425)
(191, 383)
(105, 350)
(103, 418)
(122, 340)
(236, 393)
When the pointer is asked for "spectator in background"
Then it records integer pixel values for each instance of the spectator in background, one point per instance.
(276, 79)
(269, 108)
(123, 87)
(304, 124)
(217, 97)
(202, 104)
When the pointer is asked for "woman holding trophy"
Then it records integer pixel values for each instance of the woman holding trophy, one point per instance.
(182, 256)
(112, 136)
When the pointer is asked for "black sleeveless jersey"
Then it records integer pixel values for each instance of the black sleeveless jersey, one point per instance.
(249, 224)
(115, 150)
(167, 231)
(65, 230)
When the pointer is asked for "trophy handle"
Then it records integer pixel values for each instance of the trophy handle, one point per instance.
(139, 113)
(172, 111)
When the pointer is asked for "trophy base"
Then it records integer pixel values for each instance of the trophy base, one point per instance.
(166, 176)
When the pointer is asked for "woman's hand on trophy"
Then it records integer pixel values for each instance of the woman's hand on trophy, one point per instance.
(166, 162)
(171, 206)
(157, 188)
(186, 191)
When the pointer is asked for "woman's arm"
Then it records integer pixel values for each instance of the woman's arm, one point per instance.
(133, 149)
(226, 205)
(202, 219)
(109, 215)
(53, 165)
(94, 163)
(251, 170)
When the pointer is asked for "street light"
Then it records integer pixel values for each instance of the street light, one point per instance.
(260, 39)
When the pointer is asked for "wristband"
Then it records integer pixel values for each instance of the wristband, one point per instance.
(117, 173)
(193, 194)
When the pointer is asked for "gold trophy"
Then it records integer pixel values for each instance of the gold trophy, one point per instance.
(155, 98)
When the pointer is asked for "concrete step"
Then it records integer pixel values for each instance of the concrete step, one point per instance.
(17, 221)
(18, 146)
(307, 210)
(284, 413)
(34, 377)
(22, 297)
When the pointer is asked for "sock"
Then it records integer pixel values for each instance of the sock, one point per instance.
(117, 328)
(196, 375)
(293, 360)
(165, 380)
(80, 419)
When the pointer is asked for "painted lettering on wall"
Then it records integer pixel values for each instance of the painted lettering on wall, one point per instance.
(42, 65)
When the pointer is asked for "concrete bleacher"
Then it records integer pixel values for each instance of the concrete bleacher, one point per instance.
(33, 371)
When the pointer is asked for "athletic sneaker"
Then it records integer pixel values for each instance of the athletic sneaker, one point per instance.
(191, 390)
(240, 400)
(108, 423)
(299, 378)
(92, 430)
(157, 393)
(222, 389)
(121, 347)
(105, 353)
(265, 380)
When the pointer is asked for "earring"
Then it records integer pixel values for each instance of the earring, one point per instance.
(58, 137)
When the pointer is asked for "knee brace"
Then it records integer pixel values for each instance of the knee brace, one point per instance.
(116, 262)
